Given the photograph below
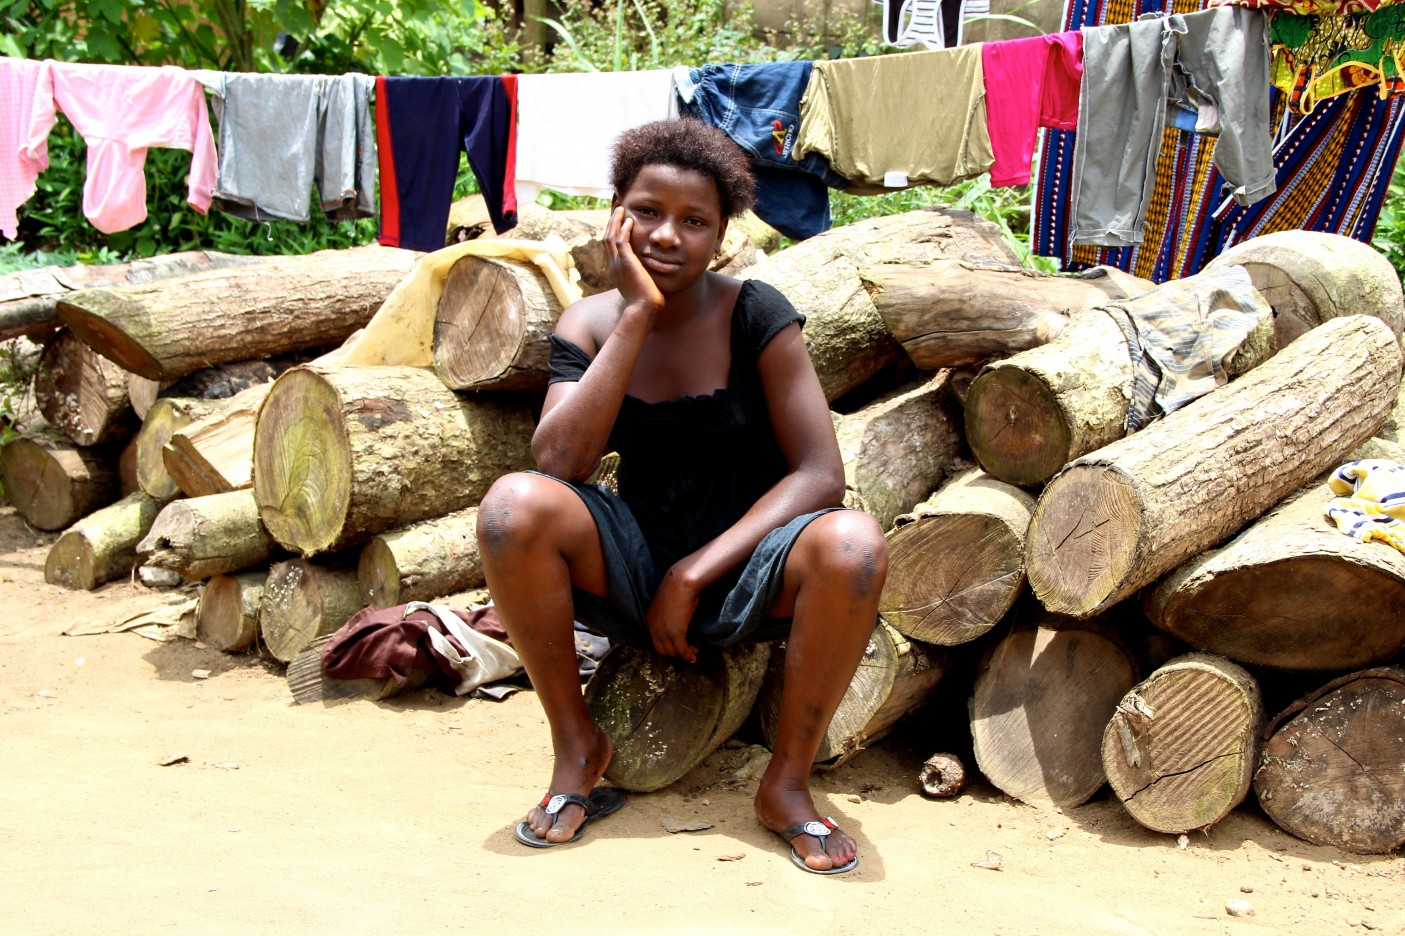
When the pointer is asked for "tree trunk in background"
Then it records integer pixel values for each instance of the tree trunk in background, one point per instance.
(1181, 747)
(1330, 768)
(1042, 699)
(163, 419)
(953, 312)
(102, 546)
(164, 330)
(215, 454)
(491, 328)
(956, 562)
(303, 600)
(81, 393)
(1119, 518)
(53, 483)
(421, 562)
(227, 617)
(899, 448)
(204, 536)
(344, 453)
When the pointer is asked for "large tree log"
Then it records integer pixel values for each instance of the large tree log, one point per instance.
(1029, 415)
(1181, 747)
(204, 536)
(164, 330)
(895, 676)
(422, 561)
(227, 617)
(341, 454)
(303, 600)
(81, 393)
(899, 448)
(492, 323)
(965, 311)
(1330, 769)
(53, 483)
(215, 454)
(1309, 277)
(1290, 590)
(1123, 516)
(102, 546)
(29, 298)
(1041, 700)
(956, 562)
(163, 419)
(665, 716)
(847, 338)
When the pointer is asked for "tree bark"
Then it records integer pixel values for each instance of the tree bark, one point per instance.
(215, 454)
(899, 448)
(204, 536)
(1309, 277)
(29, 298)
(1042, 698)
(665, 716)
(227, 617)
(1124, 515)
(894, 677)
(303, 600)
(1287, 591)
(1330, 772)
(847, 337)
(491, 327)
(53, 483)
(163, 419)
(211, 383)
(956, 562)
(164, 330)
(341, 454)
(1029, 415)
(1180, 748)
(965, 311)
(423, 561)
(81, 393)
(102, 546)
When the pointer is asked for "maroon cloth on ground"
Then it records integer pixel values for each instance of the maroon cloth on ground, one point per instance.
(380, 643)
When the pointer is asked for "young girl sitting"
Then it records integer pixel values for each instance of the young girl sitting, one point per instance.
(725, 527)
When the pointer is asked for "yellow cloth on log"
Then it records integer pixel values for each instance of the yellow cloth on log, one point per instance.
(1371, 501)
(402, 330)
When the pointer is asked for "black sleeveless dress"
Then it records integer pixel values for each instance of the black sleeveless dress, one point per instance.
(689, 469)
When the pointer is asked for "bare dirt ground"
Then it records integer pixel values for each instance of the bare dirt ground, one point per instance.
(364, 817)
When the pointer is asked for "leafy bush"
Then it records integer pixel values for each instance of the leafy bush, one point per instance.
(1390, 229)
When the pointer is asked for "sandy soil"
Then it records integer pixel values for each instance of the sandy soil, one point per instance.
(363, 817)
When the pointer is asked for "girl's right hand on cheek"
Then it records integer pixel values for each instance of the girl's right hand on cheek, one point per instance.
(628, 274)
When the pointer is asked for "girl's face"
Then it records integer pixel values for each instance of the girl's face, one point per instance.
(678, 223)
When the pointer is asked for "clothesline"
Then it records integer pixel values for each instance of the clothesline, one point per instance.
(862, 125)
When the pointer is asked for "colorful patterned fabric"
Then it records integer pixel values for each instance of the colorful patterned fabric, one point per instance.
(1333, 170)
(1370, 501)
(1319, 57)
(1321, 7)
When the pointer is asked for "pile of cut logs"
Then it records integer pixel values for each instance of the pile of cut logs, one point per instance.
(1123, 604)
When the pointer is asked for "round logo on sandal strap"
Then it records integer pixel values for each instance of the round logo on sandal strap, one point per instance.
(816, 828)
(556, 804)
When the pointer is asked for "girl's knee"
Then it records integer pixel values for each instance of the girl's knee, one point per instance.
(510, 510)
(850, 546)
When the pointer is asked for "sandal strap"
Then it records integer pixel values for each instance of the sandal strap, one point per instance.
(553, 803)
(819, 828)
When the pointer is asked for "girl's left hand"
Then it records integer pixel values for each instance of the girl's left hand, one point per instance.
(669, 615)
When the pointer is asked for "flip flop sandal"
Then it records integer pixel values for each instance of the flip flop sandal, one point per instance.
(819, 829)
(601, 802)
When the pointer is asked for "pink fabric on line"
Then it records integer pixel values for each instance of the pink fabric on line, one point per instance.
(122, 111)
(17, 80)
(1029, 83)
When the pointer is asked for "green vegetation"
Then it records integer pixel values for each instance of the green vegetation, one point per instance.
(1390, 229)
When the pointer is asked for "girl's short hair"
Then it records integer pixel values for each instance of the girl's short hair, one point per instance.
(687, 143)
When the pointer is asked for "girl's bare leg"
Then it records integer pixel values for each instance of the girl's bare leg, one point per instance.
(833, 579)
(537, 538)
